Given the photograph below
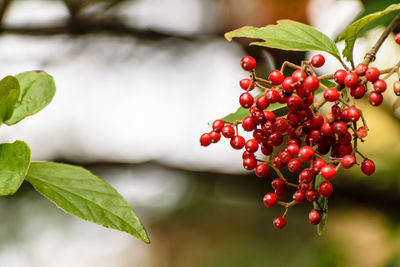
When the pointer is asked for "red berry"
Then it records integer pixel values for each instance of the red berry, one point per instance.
(348, 161)
(362, 132)
(316, 121)
(311, 83)
(258, 116)
(331, 94)
(317, 165)
(303, 187)
(205, 139)
(279, 222)
(262, 170)
(294, 165)
(306, 153)
(248, 63)
(285, 156)
(293, 149)
(278, 163)
(298, 75)
(396, 88)
(294, 103)
(282, 193)
(215, 137)
(272, 96)
(237, 142)
(358, 91)
(317, 60)
(375, 98)
(286, 85)
(278, 184)
(328, 172)
(248, 124)
(228, 131)
(276, 77)
(312, 195)
(276, 138)
(339, 76)
(380, 86)
(345, 138)
(245, 84)
(368, 167)
(306, 176)
(270, 116)
(218, 125)
(295, 140)
(270, 200)
(325, 189)
(372, 74)
(259, 135)
(246, 100)
(267, 149)
(299, 196)
(353, 114)
(251, 145)
(397, 38)
(281, 125)
(339, 127)
(326, 129)
(262, 102)
(247, 154)
(249, 163)
(351, 79)
(361, 69)
(314, 217)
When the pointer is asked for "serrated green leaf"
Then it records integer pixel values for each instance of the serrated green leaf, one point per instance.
(288, 35)
(14, 164)
(323, 202)
(9, 94)
(80, 193)
(241, 113)
(37, 91)
(350, 34)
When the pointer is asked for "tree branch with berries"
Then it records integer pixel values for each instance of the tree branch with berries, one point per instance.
(309, 142)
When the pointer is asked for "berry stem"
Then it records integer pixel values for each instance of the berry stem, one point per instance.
(392, 70)
(290, 65)
(325, 77)
(262, 80)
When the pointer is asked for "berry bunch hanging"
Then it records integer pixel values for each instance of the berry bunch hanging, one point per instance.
(311, 143)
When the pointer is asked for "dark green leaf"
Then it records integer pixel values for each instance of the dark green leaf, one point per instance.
(350, 34)
(288, 35)
(241, 113)
(323, 202)
(14, 164)
(37, 91)
(78, 192)
(9, 94)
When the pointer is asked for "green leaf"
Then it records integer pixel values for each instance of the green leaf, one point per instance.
(14, 164)
(79, 192)
(241, 113)
(323, 202)
(350, 34)
(9, 94)
(288, 35)
(37, 91)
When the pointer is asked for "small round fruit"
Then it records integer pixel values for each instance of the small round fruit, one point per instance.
(351, 80)
(251, 145)
(249, 163)
(246, 100)
(306, 153)
(368, 167)
(317, 165)
(328, 172)
(361, 69)
(314, 217)
(294, 165)
(380, 86)
(248, 63)
(278, 184)
(298, 75)
(312, 195)
(306, 176)
(353, 114)
(218, 125)
(245, 84)
(396, 88)
(348, 161)
(375, 98)
(215, 137)
(228, 131)
(397, 38)
(299, 196)
(279, 222)
(325, 189)
(237, 142)
(205, 139)
(293, 149)
(331, 94)
(261, 170)
(248, 124)
(358, 91)
(311, 83)
(372, 74)
(276, 77)
(339, 76)
(270, 200)
(317, 61)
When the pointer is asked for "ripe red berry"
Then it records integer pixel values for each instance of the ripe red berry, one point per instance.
(361, 69)
(281, 125)
(303, 187)
(247, 154)
(348, 161)
(396, 88)
(328, 172)
(397, 38)
(311, 83)
(316, 121)
(276, 77)
(258, 116)
(267, 149)
(331, 94)
(270, 200)
(272, 96)
(276, 138)
(279, 222)
(306, 153)
(351, 79)
(312, 195)
(278, 184)
(317, 60)
(262, 102)
(246, 100)
(368, 167)
(372, 74)
(286, 85)
(317, 165)
(339, 76)
(299, 196)
(326, 129)
(218, 125)
(339, 127)
(353, 114)
(375, 98)
(294, 165)
(380, 86)
(282, 193)
(248, 124)
(228, 131)
(245, 84)
(248, 63)
(262, 170)
(325, 189)
(306, 176)
(294, 103)
(285, 156)
(293, 149)
(358, 91)
(215, 137)
(298, 75)
(205, 139)
(314, 217)
(259, 135)
(249, 163)
(251, 145)
(237, 142)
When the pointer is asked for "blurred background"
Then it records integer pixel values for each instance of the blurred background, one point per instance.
(138, 82)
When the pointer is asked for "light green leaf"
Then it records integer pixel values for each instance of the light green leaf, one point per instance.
(288, 35)
(14, 164)
(9, 94)
(323, 202)
(37, 91)
(241, 113)
(80, 193)
(350, 34)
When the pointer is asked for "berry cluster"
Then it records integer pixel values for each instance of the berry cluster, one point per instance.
(300, 139)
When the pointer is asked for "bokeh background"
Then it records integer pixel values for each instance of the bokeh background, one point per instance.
(138, 81)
